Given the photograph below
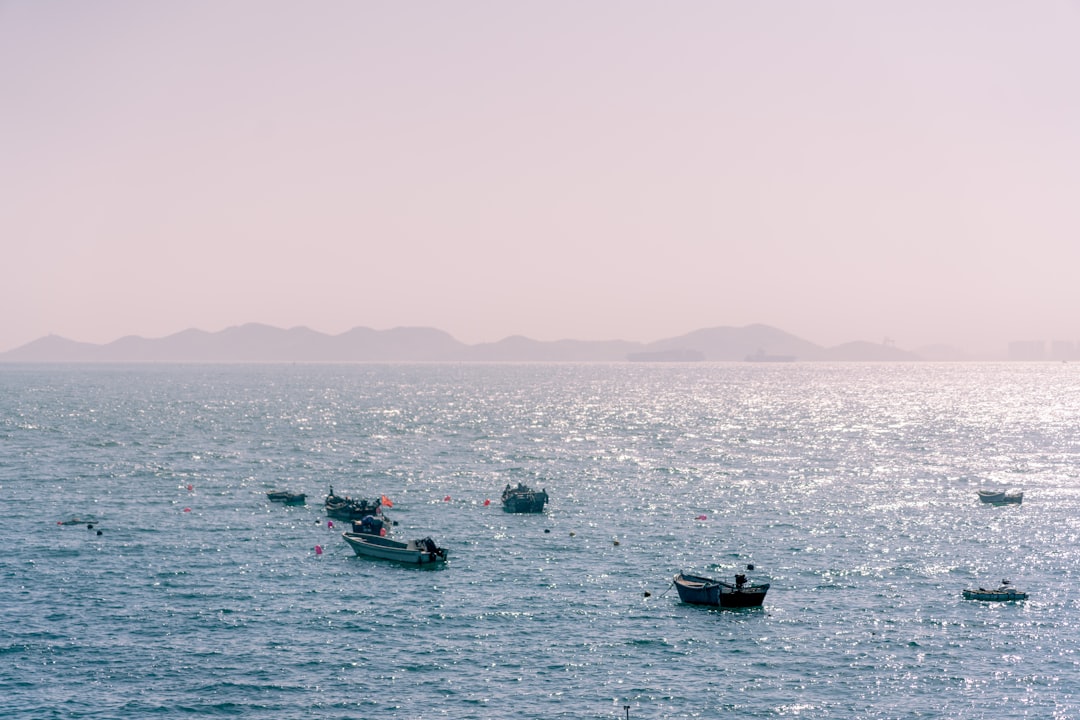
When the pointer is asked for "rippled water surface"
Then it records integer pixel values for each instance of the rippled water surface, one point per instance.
(851, 488)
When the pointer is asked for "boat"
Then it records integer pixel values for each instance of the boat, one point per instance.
(289, 498)
(413, 552)
(1001, 497)
(345, 508)
(522, 499)
(371, 525)
(1004, 593)
(698, 590)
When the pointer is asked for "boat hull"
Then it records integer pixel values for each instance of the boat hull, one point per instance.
(1000, 497)
(1000, 595)
(526, 504)
(523, 500)
(383, 548)
(288, 498)
(696, 590)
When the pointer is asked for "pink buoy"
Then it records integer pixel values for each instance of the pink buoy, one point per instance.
(702, 517)
(487, 502)
(446, 499)
(330, 524)
(187, 509)
(190, 488)
(318, 549)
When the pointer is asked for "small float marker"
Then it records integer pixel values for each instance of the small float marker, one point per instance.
(702, 517)
(446, 499)
(187, 509)
(318, 549)
(487, 502)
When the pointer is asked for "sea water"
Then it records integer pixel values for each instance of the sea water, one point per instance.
(851, 488)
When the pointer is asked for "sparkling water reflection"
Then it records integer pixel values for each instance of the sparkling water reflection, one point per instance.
(850, 487)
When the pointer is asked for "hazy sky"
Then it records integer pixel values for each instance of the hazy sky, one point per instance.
(592, 170)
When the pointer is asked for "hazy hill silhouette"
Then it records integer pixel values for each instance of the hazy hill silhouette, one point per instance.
(255, 342)
(732, 343)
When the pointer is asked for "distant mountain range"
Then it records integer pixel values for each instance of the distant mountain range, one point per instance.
(262, 343)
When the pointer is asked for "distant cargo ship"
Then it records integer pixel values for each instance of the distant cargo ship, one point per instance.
(762, 356)
(681, 355)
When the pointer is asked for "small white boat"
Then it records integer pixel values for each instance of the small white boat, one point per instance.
(1001, 497)
(413, 552)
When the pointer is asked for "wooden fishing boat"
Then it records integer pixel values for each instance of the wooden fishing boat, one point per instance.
(289, 498)
(413, 552)
(1004, 593)
(1001, 497)
(522, 499)
(698, 590)
(346, 508)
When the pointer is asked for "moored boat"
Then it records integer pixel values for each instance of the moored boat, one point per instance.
(289, 498)
(522, 499)
(1001, 497)
(346, 508)
(698, 590)
(1004, 593)
(371, 525)
(413, 552)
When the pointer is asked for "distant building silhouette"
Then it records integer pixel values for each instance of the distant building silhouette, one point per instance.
(1063, 350)
(1027, 350)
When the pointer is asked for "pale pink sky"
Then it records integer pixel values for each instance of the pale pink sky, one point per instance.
(591, 170)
